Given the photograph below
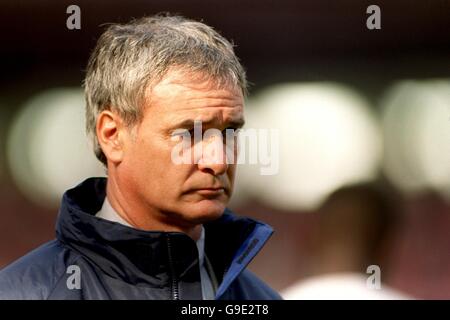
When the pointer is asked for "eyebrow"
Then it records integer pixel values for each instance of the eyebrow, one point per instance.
(189, 123)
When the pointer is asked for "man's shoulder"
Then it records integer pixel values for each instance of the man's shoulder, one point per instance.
(34, 275)
(248, 286)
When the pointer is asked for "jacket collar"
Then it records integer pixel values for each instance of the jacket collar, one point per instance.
(151, 257)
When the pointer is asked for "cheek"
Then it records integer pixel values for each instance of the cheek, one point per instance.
(231, 173)
(150, 157)
(151, 164)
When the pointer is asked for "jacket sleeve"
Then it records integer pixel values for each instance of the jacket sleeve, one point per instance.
(33, 276)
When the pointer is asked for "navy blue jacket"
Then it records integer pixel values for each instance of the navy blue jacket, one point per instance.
(93, 258)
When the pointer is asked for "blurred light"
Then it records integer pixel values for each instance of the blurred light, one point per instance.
(328, 138)
(416, 122)
(48, 151)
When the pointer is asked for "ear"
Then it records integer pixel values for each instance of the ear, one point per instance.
(110, 132)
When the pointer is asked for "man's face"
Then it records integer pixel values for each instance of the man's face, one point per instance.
(189, 193)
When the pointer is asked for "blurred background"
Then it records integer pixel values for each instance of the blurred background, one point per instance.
(363, 119)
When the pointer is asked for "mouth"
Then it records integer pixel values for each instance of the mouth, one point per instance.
(209, 191)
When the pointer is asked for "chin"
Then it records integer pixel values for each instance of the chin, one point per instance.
(205, 210)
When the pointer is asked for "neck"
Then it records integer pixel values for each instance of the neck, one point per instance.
(142, 217)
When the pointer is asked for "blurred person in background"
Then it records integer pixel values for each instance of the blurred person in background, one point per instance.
(153, 229)
(354, 231)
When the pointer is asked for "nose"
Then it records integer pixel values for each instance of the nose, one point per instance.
(213, 156)
(214, 168)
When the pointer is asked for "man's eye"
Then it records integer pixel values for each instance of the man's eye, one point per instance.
(180, 132)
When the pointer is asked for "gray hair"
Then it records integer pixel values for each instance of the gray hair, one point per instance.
(128, 58)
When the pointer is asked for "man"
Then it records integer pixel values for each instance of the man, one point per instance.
(155, 228)
(351, 240)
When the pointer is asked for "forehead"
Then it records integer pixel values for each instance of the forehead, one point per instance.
(178, 97)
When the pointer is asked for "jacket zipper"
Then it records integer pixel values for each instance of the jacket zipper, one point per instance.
(175, 293)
